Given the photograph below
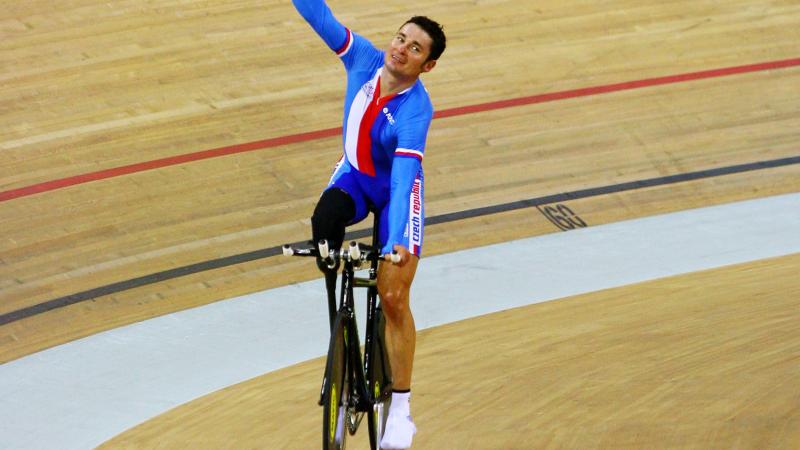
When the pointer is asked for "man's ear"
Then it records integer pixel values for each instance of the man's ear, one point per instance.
(428, 65)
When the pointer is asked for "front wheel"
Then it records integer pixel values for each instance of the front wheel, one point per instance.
(380, 385)
(336, 390)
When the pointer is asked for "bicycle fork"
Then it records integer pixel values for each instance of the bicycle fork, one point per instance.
(359, 399)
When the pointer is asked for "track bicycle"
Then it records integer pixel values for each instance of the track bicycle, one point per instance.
(352, 386)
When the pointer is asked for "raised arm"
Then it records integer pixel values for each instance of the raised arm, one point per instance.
(319, 16)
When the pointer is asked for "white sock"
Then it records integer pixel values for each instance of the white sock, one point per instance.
(400, 428)
(401, 403)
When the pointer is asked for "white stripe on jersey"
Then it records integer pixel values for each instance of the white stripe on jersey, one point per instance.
(409, 152)
(336, 169)
(344, 51)
(357, 110)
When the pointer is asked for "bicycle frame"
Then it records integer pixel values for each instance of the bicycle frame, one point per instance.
(346, 306)
(368, 377)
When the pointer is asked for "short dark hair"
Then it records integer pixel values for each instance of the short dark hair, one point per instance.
(435, 31)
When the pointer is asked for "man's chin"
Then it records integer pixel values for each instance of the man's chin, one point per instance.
(391, 67)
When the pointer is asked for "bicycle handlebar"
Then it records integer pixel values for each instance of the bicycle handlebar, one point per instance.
(354, 253)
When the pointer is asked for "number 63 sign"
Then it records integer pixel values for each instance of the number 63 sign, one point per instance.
(562, 217)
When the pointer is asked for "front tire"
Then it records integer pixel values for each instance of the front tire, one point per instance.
(336, 393)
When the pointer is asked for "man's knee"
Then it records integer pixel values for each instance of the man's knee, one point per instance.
(394, 298)
(334, 210)
(394, 287)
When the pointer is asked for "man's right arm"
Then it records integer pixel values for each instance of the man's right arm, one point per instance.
(321, 19)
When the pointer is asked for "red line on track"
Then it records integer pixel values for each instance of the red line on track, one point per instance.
(164, 162)
(330, 132)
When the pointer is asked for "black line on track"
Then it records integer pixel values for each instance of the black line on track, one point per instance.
(359, 234)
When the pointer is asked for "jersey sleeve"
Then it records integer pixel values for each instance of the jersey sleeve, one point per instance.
(404, 172)
(348, 46)
(412, 134)
(319, 16)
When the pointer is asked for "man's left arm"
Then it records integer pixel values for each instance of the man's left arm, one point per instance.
(406, 166)
(404, 171)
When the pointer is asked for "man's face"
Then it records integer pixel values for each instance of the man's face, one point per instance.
(408, 52)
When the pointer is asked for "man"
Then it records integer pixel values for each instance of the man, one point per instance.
(386, 118)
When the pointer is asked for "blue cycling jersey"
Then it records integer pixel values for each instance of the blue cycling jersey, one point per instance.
(383, 136)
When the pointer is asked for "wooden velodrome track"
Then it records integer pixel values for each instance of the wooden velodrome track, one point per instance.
(101, 101)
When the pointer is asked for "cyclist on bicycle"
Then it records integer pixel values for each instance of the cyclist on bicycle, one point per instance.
(387, 114)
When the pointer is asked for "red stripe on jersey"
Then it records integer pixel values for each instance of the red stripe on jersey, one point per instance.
(346, 43)
(412, 154)
(364, 147)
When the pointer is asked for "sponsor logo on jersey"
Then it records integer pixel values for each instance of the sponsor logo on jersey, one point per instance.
(388, 115)
(416, 213)
(368, 89)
